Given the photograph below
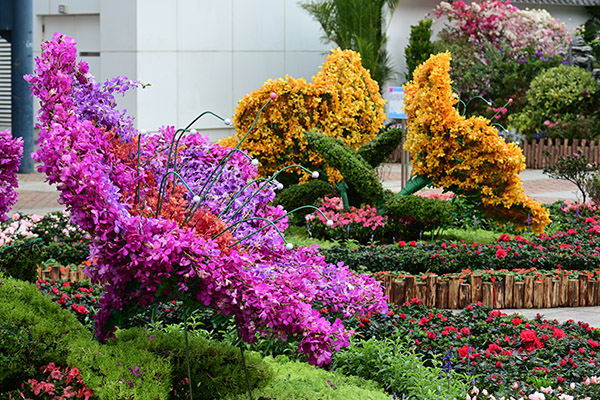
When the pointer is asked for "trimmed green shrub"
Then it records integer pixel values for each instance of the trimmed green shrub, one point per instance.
(300, 381)
(379, 149)
(300, 195)
(216, 368)
(562, 102)
(121, 369)
(20, 259)
(398, 370)
(33, 332)
(355, 170)
(419, 46)
(411, 216)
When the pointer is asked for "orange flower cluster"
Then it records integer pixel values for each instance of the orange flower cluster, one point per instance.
(342, 101)
(465, 156)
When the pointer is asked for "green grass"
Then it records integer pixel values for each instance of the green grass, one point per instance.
(298, 236)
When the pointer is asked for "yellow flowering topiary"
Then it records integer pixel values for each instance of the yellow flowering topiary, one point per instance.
(463, 155)
(342, 101)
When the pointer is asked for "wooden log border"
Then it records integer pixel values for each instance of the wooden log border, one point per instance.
(531, 292)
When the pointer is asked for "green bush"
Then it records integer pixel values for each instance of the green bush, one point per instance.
(592, 188)
(576, 168)
(419, 46)
(121, 370)
(33, 332)
(557, 98)
(216, 368)
(411, 216)
(300, 195)
(20, 259)
(300, 381)
(379, 149)
(398, 370)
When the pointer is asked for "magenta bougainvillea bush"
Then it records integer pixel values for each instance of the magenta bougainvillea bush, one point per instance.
(165, 227)
(11, 151)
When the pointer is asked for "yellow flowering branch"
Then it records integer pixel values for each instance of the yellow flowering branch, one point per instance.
(465, 155)
(342, 101)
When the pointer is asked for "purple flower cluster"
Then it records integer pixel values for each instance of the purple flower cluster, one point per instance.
(155, 242)
(11, 151)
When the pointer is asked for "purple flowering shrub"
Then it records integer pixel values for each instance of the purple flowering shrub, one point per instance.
(160, 234)
(11, 151)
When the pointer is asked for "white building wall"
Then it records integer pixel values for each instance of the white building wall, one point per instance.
(206, 54)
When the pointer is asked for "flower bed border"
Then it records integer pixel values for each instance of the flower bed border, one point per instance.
(532, 292)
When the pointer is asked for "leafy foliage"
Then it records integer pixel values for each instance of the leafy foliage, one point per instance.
(299, 381)
(379, 149)
(576, 168)
(411, 216)
(355, 170)
(357, 25)
(558, 98)
(217, 370)
(33, 332)
(393, 364)
(20, 259)
(420, 46)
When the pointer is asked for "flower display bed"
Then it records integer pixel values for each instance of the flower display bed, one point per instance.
(532, 292)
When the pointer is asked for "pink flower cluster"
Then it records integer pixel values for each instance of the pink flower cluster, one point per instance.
(11, 151)
(503, 25)
(332, 208)
(158, 242)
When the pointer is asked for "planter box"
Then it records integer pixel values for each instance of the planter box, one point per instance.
(503, 293)
(59, 272)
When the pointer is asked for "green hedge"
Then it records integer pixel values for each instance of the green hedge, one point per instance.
(356, 171)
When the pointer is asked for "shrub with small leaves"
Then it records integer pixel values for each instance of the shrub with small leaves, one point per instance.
(411, 216)
(560, 95)
(575, 168)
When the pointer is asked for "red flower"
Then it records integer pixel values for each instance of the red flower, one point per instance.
(558, 333)
(501, 253)
(465, 331)
(528, 335)
(431, 335)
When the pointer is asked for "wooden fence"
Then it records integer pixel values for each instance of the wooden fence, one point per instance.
(539, 153)
(532, 292)
(544, 152)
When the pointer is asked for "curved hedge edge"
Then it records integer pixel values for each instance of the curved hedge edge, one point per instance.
(355, 170)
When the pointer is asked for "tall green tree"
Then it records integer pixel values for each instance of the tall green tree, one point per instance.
(357, 25)
(419, 46)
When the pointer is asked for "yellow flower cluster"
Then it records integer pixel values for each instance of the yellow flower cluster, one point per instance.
(342, 101)
(464, 155)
